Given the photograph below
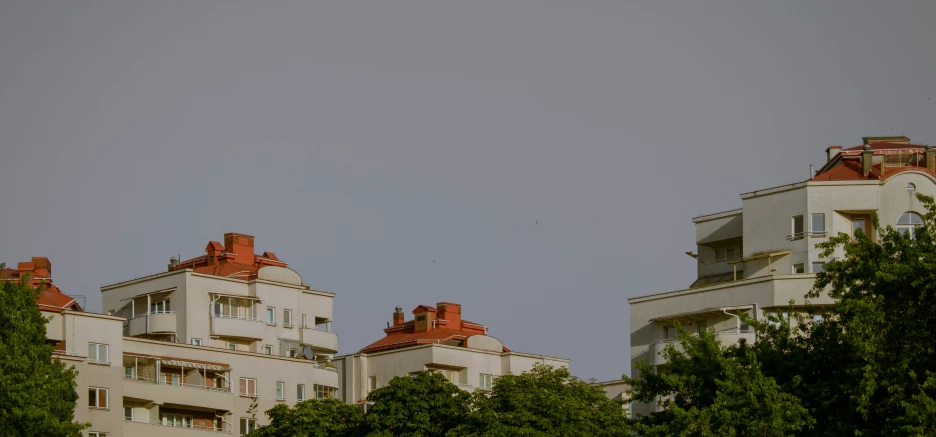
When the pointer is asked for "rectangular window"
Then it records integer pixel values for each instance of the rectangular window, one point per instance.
(287, 318)
(196, 342)
(818, 267)
(161, 307)
(247, 425)
(248, 387)
(669, 333)
(268, 350)
(271, 316)
(176, 420)
(232, 346)
(817, 223)
(97, 434)
(486, 382)
(97, 398)
(371, 383)
(128, 372)
(128, 413)
(171, 379)
(325, 392)
(799, 268)
(818, 318)
(729, 253)
(303, 325)
(97, 353)
(280, 391)
(292, 353)
(217, 309)
(300, 393)
(859, 225)
(719, 254)
(797, 226)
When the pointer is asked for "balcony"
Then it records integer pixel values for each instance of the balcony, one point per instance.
(156, 322)
(224, 326)
(157, 429)
(181, 394)
(727, 338)
(320, 339)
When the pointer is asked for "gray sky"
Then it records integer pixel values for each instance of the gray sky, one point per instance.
(360, 142)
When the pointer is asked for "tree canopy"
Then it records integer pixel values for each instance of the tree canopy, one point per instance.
(37, 392)
(866, 367)
(313, 418)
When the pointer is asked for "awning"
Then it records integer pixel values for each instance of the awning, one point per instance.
(180, 362)
(164, 290)
(236, 296)
(760, 256)
(700, 314)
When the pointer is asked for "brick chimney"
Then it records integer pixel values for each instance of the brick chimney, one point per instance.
(832, 152)
(241, 245)
(397, 316)
(451, 312)
(867, 158)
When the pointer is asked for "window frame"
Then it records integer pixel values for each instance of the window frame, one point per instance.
(97, 396)
(267, 349)
(196, 342)
(300, 393)
(482, 380)
(280, 393)
(97, 434)
(97, 354)
(232, 346)
(271, 316)
(371, 383)
(794, 235)
(287, 318)
(249, 423)
(812, 224)
(910, 187)
(863, 227)
(813, 265)
(801, 269)
(130, 416)
(186, 420)
(245, 383)
(324, 391)
(909, 228)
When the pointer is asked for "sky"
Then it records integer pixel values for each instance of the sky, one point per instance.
(536, 161)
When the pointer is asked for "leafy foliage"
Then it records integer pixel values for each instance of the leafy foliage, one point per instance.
(546, 401)
(313, 418)
(37, 393)
(422, 405)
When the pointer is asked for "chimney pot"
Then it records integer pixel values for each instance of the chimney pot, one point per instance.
(398, 316)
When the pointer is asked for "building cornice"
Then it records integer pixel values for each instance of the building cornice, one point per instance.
(142, 279)
(738, 283)
(457, 348)
(717, 215)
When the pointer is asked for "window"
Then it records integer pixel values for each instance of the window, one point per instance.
(300, 393)
(128, 372)
(817, 223)
(217, 309)
(729, 253)
(797, 227)
(248, 387)
(268, 350)
(325, 392)
(911, 188)
(371, 383)
(97, 398)
(171, 379)
(701, 325)
(287, 318)
(908, 222)
(196, 342)
(669, 333)
(247, 425)
(783, 315)
(818, 318)
(719, 254)
(160, 307)
(128, 413)
(97, 434)
(486, 382)
(97, 353)
(280, 391)
(177, 420)
(292, 353)
(271, 316)
(232, 346)
(799, 268)
(818, 267)
(858, 225)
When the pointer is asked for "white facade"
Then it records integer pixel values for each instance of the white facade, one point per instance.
(760, 257)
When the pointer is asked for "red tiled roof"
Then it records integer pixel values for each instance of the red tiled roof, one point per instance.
(850, 170)
(50, 297)
(886, 146)
(432, 330)
(228, 269)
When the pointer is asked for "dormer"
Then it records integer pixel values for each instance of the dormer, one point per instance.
(425, 317)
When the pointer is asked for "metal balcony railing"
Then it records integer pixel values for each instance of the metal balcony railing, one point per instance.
(180, 384)
(189, 426)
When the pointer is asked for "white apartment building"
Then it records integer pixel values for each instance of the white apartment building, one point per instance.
(757, 258)
(436, 340)
(206, 347)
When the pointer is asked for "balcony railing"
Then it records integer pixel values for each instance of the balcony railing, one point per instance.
(180, 384)
(189, 426)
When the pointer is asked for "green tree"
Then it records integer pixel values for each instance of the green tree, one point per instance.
(313, 418)
(37, 392)
(546, 401)
(706, 390)
(421, 405)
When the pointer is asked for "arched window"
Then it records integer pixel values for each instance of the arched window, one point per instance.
(908, 222)
(911, 188)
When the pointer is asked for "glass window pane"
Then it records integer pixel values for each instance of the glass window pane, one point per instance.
(818, 223)
(798, 224)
